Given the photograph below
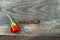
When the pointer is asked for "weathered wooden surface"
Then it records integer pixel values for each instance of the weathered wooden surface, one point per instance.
(43, 9)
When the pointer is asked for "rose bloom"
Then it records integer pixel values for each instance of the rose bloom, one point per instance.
(14, 28)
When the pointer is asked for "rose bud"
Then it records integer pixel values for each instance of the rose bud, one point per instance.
(14, 28)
